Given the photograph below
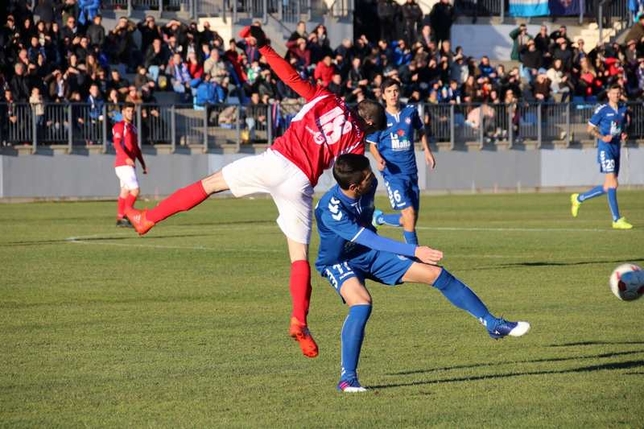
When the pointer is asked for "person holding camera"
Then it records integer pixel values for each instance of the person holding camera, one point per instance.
(520, 38)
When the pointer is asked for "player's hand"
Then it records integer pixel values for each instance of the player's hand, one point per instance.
(258, 34)
(380, 165)
(607, 139)
(145, 170)
(428, 255)
(624, 137)
(430, 160)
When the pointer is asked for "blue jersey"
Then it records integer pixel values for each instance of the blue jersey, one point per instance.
(610, 122)
(396, 143)
(340, 220)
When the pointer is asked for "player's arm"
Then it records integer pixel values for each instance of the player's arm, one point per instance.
(119, 143)
(424, 142)
(372, 141)
(429, 155)
(281, 67)
(593, 130)
(625, 125)
(373, 241)
(288, 74)
(139, 156)
(342, 224)
(593, 125)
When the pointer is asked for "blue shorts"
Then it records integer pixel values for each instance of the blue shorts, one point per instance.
(608, 157)
(403, 191)
(382, 267)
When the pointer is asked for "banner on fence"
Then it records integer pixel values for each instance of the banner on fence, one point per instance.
(564, 7)
(528, 8)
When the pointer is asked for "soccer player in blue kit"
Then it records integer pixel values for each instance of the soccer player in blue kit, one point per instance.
(393, 150)
(350, 252)
(607, 125)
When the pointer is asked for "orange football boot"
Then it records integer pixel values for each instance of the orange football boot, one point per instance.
(302, 335)
(139, 220)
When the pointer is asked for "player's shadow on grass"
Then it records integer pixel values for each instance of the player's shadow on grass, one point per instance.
(594, 343)
(101, 238)
(541, 264)
(602, 367)
(228, 223)
(554, 359)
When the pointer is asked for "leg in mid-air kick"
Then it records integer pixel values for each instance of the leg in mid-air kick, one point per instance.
(292, 224)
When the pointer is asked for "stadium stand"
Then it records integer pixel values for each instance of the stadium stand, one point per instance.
(193, 87)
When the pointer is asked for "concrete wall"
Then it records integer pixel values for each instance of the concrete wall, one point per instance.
(92, 175)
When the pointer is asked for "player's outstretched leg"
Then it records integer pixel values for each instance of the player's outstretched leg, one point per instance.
(464, 298)
(182, 200)
(352, 337)
(577, 199)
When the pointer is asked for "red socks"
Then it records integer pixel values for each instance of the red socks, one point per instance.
(182, 200)
(130, 200)
(300, 285)
(120, 208)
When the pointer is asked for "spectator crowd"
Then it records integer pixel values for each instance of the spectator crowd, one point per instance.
(60, 52)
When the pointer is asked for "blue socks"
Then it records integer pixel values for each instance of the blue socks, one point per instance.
(612, 199)
(410, 237)
(389, 219)
(612, 203)
(352, 336)
(595, 192)
(462, 297)
(394, 220)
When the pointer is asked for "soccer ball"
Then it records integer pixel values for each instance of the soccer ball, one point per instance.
(627, 282)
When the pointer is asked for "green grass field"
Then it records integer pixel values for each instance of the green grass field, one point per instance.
(186, 327)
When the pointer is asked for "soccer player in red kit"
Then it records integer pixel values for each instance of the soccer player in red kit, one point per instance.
(127, 149)
(289, 170)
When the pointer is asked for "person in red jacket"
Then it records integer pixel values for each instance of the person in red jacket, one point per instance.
(323, 129)
(324, 71)
(126, 145)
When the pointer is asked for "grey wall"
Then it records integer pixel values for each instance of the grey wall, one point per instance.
(92, 175)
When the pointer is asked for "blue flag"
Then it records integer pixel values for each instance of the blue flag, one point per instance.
(528, 8)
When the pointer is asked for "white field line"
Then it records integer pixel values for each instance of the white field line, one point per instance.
(92, 239)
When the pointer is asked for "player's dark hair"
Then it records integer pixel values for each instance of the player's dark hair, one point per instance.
(389, 81)
(372, 112)
(615, 86)
(129, 104)
(349, 169)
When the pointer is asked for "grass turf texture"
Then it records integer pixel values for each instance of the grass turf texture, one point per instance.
(187, 326)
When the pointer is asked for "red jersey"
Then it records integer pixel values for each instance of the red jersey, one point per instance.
(321, 131)
(126, 143)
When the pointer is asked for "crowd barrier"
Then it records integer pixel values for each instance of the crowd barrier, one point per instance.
(231, 125)
(290, 11)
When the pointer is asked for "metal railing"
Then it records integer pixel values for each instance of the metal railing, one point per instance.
(75, 125)
(611, 9)
(475, 8)
(287, 10)
(611, 12)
